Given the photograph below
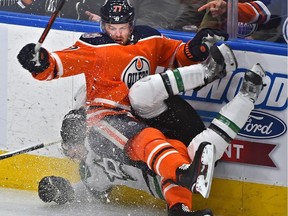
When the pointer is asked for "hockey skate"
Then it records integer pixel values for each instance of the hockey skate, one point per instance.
(182, 210)
(198, 175)
(220, 62)
(253, 82)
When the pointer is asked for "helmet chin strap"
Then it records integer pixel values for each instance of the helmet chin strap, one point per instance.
(131, 38)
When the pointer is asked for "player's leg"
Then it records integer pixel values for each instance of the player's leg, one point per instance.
(228, 123)
(147, 96)
(233, 115)
(169, 159)
(124, 139)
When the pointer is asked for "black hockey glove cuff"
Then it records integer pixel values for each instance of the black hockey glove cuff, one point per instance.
(196, 52)
(57, 189)
(198, 48)
(26, 57)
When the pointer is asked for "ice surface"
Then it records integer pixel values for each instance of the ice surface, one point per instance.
(27, 203)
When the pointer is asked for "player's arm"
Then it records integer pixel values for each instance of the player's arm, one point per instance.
(68, 62)
(253, 12)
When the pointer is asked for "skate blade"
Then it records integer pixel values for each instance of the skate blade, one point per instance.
(258, 69)
(229, 58)
(203, 185)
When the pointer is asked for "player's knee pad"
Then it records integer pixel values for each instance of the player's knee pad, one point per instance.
(147, 96)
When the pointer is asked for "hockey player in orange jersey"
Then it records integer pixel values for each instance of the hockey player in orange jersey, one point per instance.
(112, 61)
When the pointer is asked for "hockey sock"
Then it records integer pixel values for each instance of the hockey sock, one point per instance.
(174, 194)
(234, 115)
(159, 156)
(183, 79)
(225, 126)
(162, 155)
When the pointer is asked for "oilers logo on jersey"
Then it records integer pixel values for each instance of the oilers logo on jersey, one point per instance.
(138, 68)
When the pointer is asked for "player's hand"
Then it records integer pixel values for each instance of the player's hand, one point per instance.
(198, 48)
(57, 189)
(216, 7)
(27, 2)
(27, 59)
(92, 16)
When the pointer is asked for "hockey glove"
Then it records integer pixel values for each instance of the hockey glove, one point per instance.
(26, 57)
(198, 48)
(57, 189)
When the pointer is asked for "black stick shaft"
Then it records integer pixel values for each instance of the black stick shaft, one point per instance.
(25, 150)
(49, 25)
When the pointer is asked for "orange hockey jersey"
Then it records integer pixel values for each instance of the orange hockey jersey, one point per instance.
(253, 12)
(110, 69)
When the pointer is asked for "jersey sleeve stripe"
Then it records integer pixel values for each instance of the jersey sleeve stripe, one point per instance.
(262, 12)
(59, 64)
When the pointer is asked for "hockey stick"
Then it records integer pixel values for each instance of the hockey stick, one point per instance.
(25, 150)
(46, 31)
